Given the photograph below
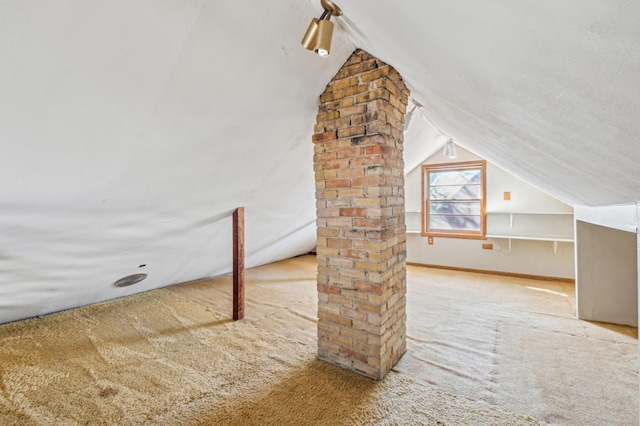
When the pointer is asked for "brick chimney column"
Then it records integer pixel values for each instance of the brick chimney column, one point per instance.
(361, 251)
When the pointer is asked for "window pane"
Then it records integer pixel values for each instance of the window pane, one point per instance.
(455, 192)
(454, 199)
(455, 208)
(455, 177)
(462, 223)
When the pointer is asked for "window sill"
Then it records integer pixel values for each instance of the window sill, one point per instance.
(462, 236)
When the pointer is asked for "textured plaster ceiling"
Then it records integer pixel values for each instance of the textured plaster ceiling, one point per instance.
(548, 90)
(129, 131)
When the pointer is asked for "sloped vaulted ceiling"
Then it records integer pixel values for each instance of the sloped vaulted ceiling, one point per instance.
(129, 131)
(548, 90)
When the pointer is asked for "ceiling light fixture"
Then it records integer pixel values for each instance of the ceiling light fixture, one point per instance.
(318, 35)
(450, 149)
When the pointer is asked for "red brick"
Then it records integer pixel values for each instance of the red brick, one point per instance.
(338, 183)
(356, 90)
(326, 136)
(351, 131)
(373, 95)
(353, 254)
(326, 97)
(368, 287)
(367, 161)
(353, 314)
(339, 243)
(338, 164)
(351, 172)
(328, 232)
(341, 123)
(344, 83)
(349, 153)
(368, 140)
(376, 74)
(375, 149)
(324, 194)
(353, 212)
(351, 353)
(325, 116)
(379, 127)
(345, 112)
(368, 181)
(368, 223)
(334, 212)
(326, 156)
(354, 234)
(329, 289)
(336, 319)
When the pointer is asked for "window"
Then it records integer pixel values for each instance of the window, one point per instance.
(453, 200)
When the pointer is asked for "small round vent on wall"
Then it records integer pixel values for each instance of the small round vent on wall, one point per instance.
(130, 280)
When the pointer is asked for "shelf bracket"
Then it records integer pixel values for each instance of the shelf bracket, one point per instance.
(555, 247)
(510, 221)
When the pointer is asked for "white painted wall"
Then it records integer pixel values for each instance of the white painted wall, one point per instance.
(622, 216)
(607, 263)
(607, 274)
(525, 257)
(129, 131)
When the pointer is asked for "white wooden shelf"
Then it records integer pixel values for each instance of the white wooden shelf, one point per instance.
(532, 226)
(532, 238)
(555, 240)
(536, 226)
(525, 212)
(413, 221)
(516, 213)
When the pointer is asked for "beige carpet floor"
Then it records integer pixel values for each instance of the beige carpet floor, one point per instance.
(513, 343)
(158, 358)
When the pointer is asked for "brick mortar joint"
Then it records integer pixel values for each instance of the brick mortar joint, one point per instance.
(325, 103)
(393, 76)
(399, 83)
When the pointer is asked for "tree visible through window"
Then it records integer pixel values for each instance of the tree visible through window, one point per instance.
(453, 199)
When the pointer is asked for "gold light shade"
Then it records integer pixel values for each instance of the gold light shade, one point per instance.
(309, 39)
(318, 35)
(323, 41)
(331, 7)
